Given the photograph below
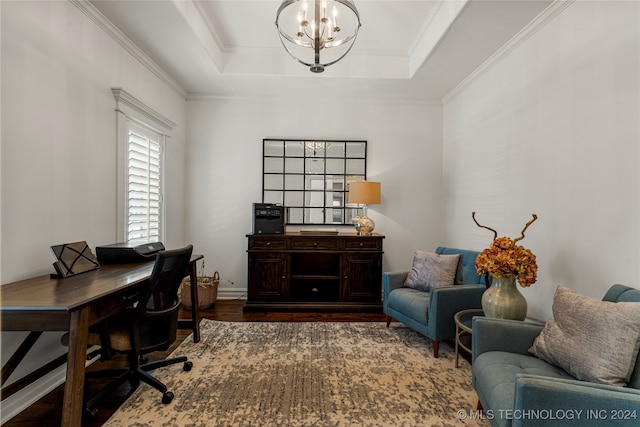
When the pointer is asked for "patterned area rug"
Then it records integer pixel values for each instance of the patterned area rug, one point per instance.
(307, 374)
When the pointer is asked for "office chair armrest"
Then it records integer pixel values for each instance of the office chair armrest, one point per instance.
(165, 312)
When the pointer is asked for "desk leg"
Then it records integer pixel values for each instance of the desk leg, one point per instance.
(195, 313)
(74, 385)
(21, 352)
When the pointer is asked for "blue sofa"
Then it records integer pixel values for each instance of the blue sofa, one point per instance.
(516, 388)
(431, 313)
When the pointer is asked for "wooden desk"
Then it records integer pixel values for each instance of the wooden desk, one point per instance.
(73, 304)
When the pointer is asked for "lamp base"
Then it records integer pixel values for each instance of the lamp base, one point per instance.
(364, 225)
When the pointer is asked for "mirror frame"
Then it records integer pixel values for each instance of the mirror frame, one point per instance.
(309, 178)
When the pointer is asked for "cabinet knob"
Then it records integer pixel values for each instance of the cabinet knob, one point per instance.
(361, 244)
(284, 277)
(315, 243)
(346, 277)
(268, 243)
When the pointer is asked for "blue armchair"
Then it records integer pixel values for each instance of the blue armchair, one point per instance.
(431, 313)
(516, 388)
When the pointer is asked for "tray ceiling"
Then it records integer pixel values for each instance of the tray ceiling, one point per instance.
(406, 50)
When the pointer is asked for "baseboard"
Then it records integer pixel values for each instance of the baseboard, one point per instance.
(230, 293)
(26, 397)
(29, 395)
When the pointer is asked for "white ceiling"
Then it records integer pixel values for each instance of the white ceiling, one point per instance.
(406, 49)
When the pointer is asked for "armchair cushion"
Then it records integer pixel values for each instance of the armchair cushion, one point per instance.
(413, 303)
(495, 372)
(595, 341)
(430, 271)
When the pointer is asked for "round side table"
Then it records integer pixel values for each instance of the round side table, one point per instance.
(463, 321)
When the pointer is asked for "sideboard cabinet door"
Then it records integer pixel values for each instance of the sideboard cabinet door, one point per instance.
(269, 277)
(361, 277)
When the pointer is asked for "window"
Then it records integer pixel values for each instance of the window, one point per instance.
(309, 178)
(144, 185)
(142, 135)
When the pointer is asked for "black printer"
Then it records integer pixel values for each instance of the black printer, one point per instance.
(268, 218)
(119, 253)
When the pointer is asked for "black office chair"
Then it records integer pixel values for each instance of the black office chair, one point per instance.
(144, 328)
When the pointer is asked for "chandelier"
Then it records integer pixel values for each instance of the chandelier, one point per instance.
(316, 148)
(309, 27)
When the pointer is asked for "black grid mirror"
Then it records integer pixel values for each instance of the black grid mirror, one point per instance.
(309, 178)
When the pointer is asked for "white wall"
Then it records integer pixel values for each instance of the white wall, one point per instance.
(59, 141)
(225, 170)
(553, 128)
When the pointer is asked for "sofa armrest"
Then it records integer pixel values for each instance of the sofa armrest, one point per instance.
(513, 336)
(445, 302)
(573, 402)
(393, 280)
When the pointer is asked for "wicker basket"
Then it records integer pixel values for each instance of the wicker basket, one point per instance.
(207, 291)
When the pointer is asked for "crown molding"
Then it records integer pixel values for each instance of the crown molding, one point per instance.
(119, 37)
(539, 22)
(209, 25)
(434, 29)
(197, 19)
(204, 97)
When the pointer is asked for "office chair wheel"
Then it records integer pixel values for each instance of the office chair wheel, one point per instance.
(134, 382)
(90, 414)
(187, 366)
(167, 397)
(143, 360)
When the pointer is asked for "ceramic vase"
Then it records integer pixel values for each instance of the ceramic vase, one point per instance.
(503, 300)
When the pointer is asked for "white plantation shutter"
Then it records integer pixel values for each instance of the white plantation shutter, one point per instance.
(142, 134)
(144, 189)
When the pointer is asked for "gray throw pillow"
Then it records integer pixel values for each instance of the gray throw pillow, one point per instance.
(593, 340)
(430, 271)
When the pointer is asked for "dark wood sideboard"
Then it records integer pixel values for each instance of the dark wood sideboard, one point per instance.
(299, 271)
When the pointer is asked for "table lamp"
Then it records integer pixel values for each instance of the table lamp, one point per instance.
(363, 193)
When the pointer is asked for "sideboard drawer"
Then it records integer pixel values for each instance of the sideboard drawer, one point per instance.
(314, 243)
(363, 244)
(267, 243)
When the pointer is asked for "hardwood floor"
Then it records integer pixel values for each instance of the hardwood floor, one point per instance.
(47, 411)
